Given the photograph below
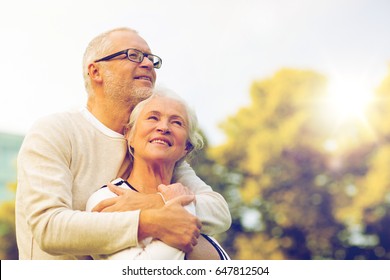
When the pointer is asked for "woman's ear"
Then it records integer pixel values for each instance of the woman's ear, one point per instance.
(130, 142)
(126, 132)
(129, 137)
(189, 147)
(185, 152)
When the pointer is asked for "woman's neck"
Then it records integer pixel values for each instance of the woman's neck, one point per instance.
(146, 178)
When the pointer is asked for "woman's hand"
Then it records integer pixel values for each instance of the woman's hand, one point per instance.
(174, 190)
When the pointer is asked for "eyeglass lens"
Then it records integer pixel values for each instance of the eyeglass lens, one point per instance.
(138, 56)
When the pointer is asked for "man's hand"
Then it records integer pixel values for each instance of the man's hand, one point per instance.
(128, 200)
(171, 224)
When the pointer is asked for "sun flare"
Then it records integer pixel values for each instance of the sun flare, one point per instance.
(349, 101)
(346, 109)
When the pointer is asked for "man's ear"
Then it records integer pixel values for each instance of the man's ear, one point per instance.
(94, 72)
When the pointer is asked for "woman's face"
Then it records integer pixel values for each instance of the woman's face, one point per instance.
(161, 132)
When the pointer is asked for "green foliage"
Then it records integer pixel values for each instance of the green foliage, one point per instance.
(8, 249)
(296, 197)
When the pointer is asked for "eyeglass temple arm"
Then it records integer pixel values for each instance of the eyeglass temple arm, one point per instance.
(112, 56)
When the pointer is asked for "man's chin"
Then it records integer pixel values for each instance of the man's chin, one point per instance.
(144, 83)
(143, 92)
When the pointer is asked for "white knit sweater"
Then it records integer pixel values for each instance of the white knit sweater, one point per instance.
(65, 158)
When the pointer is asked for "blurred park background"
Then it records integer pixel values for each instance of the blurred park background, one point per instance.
(305, 171)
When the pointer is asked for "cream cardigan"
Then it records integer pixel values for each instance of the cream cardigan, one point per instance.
(64, 158)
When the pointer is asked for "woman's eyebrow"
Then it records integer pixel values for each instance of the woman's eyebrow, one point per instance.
(177, 117)
(153, 112)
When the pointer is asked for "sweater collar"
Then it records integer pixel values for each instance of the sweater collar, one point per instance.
(100, 126)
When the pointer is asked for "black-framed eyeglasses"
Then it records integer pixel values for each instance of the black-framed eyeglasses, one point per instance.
(135, 56)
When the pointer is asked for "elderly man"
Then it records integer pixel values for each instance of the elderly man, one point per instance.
(65, 157)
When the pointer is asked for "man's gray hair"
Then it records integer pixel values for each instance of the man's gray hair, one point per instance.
(97, 48)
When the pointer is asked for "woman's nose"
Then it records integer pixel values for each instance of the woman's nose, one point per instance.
(163, 127)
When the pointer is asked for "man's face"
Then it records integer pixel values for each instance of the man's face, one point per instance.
(126, 80)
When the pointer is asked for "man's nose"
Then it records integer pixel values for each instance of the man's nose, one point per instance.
(147, 63)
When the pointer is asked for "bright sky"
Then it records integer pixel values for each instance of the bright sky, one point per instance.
(212, 50)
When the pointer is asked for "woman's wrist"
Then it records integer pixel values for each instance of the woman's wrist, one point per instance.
(163, 198)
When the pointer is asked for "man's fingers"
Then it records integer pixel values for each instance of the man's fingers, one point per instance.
(190, 246)
(199, 226)
(194, 241)
(115, 189)
(101, 206)
(188, 249)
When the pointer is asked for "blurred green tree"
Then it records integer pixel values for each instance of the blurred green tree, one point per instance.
(305, 184)
(8, 248)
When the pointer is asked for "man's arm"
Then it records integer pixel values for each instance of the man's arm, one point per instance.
(46, 199)
(211, 208)
(169, 222)
(151, 225)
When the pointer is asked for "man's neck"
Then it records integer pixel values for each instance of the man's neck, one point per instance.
(113, 117)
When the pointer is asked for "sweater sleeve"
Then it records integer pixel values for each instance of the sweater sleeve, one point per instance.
(46, 197)
(211, 208)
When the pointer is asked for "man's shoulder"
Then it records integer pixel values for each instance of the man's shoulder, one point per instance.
(64, 115)
(59, 119)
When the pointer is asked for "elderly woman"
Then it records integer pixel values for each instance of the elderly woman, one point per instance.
(162, 132)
